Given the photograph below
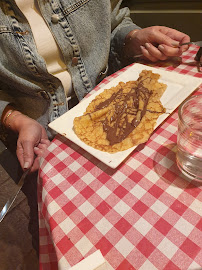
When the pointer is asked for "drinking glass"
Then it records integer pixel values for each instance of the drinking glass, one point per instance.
(189, 138)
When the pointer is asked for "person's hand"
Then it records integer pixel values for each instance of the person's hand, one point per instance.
(32, 141)
(155, 43)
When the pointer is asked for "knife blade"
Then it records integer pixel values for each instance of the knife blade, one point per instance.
(9, 163)
(12, 198)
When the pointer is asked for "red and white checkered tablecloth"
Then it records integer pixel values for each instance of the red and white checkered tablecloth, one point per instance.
(143, 215)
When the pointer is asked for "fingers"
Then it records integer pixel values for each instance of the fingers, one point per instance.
(157, 43)
(173, 38)
(171, 51)
(146, 54)
(35, 165)
(29, 156)
(25, 154)
(183, 48)
(30, 136)
(155, 52)
(44, 135)
(177, 36)
(162, 52)
(161, 38)
(40, 149)
(152, 53)
(45, 141)
(167, 40)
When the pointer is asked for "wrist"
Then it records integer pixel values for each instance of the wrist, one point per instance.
(129, 45)
(132, 34)
(17, 121)
(9, 116)
(13, 119)
(6, 113)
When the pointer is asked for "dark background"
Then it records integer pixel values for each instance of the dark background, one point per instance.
(183, 15)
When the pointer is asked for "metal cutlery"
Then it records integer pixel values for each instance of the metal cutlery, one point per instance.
(12, 198)
(197, 43)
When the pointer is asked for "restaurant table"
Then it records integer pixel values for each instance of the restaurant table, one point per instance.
(142, 215)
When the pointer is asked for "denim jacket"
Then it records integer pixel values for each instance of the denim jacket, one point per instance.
(90, 34)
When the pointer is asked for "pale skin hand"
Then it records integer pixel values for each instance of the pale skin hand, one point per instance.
(32, 141)
(155, 43)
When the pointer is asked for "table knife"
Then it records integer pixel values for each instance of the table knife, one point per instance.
(13, 196)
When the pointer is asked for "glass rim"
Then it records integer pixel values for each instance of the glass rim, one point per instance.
(182, 105)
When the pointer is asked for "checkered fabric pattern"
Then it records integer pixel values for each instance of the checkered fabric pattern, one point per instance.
(143, 215)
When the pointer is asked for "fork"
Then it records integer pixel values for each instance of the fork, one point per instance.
(198, 43)
(198, 59)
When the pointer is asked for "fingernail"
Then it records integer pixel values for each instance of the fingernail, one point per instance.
(36, 148)
(142, 47)
(161, 47)
(147, 45)
(26, 165)
(175, 43)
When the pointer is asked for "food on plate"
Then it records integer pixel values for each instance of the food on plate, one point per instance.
(122, 116)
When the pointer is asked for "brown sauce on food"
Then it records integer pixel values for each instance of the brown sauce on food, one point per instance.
(127, 112)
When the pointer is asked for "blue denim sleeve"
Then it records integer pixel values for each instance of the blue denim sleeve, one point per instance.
(121, 24)
(5, 100)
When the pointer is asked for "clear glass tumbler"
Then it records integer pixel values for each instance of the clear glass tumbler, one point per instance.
(189, 138)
